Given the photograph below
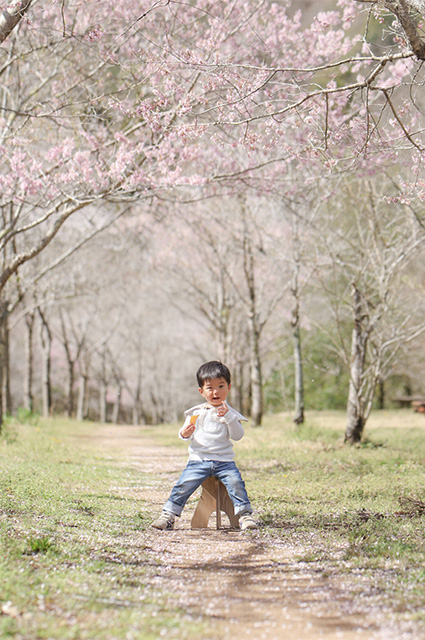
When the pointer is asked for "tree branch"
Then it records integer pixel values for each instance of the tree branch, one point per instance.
(400, 122)
(402, 10)
(11, 16)
(38, 248)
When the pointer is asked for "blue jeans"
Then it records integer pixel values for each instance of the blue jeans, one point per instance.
(196, 472)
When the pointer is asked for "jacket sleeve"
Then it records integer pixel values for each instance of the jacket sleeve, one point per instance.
(236, 430)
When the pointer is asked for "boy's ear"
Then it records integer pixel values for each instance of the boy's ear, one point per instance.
(200, 389)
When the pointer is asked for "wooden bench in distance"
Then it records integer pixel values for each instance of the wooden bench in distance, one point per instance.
(214, 497)
(419, 406)
(416, 402)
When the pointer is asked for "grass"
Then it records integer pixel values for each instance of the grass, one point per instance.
(341, 504)
(73, 563)
(344, 502)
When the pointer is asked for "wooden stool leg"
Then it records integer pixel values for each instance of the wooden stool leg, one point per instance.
(214, 497)
(226, 505)
(218, 509)
(206, 505)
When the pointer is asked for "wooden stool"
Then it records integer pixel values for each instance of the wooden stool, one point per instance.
(214, 497)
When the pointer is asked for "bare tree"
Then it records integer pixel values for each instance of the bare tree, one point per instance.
(73, 340)
(46, 343)
(296, 323)
(83, 387)
(368, 252)
(29, 373)
(255, 324)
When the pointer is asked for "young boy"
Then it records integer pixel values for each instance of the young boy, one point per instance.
(210, 427)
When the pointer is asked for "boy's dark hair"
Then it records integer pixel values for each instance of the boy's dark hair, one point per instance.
(211, 370)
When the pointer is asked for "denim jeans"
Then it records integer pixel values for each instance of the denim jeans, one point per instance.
(193, 476)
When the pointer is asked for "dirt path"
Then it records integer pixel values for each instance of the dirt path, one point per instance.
(246, 583)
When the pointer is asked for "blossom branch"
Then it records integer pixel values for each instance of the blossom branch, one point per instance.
(308, 97)
(397, 117)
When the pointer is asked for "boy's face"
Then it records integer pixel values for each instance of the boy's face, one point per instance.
(215, 391)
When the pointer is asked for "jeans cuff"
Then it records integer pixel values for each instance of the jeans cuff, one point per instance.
(244, 508)
(173, 508)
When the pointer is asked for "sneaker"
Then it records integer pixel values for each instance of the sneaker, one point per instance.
(246, 521)
(164, 521)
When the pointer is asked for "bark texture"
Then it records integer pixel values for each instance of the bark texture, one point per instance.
(296, 327)
(46, 344)
(409, 18)
(10, 17)
(29, 373)
(355, 406)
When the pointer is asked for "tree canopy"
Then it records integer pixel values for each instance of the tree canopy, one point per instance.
(118, 117)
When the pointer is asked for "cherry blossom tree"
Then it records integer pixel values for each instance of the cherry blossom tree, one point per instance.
(107, 105)
(214, 91)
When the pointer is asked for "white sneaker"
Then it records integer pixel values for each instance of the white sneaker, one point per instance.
(164, 521)
(246, 521)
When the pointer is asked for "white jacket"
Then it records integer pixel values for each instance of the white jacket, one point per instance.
(212, 437)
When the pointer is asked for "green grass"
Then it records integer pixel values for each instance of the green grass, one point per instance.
(343, 501)
(73, 562)
(340, 504)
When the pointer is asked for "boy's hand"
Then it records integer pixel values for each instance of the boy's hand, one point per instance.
(188, 430)
(222, 409)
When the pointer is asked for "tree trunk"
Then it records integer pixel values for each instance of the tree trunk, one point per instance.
(135, 419)
(254, 334)
(138, 413)
(117, 407)
(295, 322)
(70, 388)
(82, 398)
(102, 402)
(237, 392)
(381, 394)
(5, 358)
(71, 364)
(137, 401)
(29, 373)
(256, 377)
(355, 427)
(4, 312)
(355, 407)
(299, 378)
(46, 344)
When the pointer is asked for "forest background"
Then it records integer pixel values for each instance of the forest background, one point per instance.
(238, 180)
